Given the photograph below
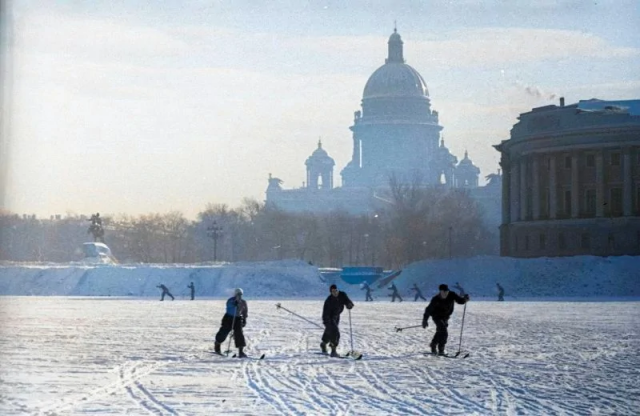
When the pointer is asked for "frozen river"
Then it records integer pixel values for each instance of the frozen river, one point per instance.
(70, 356)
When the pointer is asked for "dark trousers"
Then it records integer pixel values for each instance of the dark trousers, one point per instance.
(166, 292)
(393, 296)
(369, 298)
(331, 333)
(226, 326)
(441, 335)
(500, 297)
(192, 293)
(419, 295)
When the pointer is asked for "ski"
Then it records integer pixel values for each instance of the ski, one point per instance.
(429, 353)
(343, 357)
(249, 357)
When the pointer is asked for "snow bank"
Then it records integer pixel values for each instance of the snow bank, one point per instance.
(561, 277)
(266, 279)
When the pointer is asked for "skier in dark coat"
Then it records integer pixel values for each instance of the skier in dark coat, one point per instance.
(440, 309)
(333, 307)
(394, 293)
(165, 291)
(365, 286)
(235, 318)
(193, 289)
(500, 292)
(418, 293)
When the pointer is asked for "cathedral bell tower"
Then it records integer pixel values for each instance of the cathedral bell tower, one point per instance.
(319, 169)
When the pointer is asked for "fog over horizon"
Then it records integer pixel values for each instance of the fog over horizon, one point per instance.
(132, 107)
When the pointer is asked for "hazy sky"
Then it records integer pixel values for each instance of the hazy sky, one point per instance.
(151, 106)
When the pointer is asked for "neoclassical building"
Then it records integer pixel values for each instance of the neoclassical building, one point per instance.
(395, 133)
(571, 181)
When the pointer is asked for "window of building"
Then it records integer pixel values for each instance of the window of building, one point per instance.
(567, 202)
(544, 203)
(567, 162)
(615, 159)
(616, 201)
(591, 161)
(590, 202)
(543, 241)
(515, 240)
(585, 241)
(526, 242)
(638, 199)
(562, 241)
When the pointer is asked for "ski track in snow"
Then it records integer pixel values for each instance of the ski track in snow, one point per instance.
(66, 356)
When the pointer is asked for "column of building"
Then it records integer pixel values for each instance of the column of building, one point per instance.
(553, 192)
(506, 189)
(536, 186)
(627, 186)
(523, 189)
(599, 184)
(515, 193)
(575, 185)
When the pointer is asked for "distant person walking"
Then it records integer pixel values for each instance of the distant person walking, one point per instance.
(165, 291)
(193, 290)
(394, 293)
(500, 292)
(418, 293)
(365, 286)
(460, 289)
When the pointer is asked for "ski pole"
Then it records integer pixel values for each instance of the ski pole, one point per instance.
(350, 332)
(461, 328)
(408, 327)
(279, 306)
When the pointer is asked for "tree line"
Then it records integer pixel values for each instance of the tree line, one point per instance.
(417, 223)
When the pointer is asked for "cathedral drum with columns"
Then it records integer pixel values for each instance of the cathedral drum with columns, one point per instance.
(571, 181)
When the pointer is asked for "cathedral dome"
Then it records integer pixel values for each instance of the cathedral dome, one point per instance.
(395, 78)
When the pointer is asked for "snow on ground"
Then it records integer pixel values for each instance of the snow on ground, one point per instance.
(70, 356)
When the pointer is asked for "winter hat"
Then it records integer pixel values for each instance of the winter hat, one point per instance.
(443, 287)
(239, 291)
(333, 287)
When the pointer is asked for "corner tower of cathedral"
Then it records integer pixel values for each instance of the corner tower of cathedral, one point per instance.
(396, 132)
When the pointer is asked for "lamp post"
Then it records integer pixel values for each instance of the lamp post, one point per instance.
(366, 247)
(215, 232)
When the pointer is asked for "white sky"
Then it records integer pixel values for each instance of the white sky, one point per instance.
(137, 107)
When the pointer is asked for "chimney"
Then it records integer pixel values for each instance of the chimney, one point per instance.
(561, 101)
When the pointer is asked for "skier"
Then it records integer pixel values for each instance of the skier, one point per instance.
(333, 307)
(366, 286)
(440, 309)
(165, 291)
(395, 293)
(460, 289)
(500, 292)
(418, 293)
(235, 318)
(193, 289)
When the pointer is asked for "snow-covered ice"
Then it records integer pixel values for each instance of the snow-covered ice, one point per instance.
(107, 355)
